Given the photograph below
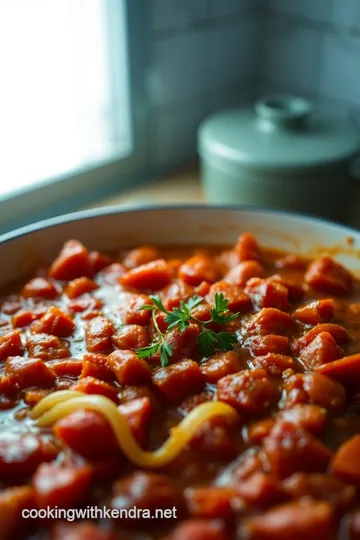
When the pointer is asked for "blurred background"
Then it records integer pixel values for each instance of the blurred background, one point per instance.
(101, 100)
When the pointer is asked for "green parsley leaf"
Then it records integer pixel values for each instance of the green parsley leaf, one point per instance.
(158, 303)
(193, 302)
(147, 352)
(226, 340)
(166, 351)
(207, 340)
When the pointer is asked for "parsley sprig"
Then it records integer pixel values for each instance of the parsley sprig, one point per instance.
(181, 317)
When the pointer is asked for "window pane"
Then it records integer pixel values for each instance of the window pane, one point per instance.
(58, 107)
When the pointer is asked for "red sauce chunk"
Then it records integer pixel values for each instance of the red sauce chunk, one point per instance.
(258, 347)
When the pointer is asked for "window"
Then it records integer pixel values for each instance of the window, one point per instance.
(65, 104)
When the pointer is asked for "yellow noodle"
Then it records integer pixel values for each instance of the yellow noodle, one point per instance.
(52, 399)
(178, 439)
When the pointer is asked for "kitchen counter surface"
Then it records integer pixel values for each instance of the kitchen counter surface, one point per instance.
(184, 188)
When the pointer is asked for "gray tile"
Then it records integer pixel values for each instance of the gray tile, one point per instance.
(176, 133)
(220, 8)
(339, 76)
(231, 54)
(290, 54)
(179, 69)
(171, 14)
(347, 13)
(318, 10)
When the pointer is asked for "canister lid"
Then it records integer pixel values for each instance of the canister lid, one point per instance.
(279, 132)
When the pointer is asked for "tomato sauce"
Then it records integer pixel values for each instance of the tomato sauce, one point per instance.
(288, 468)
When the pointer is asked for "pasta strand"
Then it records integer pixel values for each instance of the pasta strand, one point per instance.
(60, 404)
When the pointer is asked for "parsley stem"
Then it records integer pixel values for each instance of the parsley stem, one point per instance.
(156, 323)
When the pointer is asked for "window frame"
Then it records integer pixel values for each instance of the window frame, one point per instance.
(69, 192)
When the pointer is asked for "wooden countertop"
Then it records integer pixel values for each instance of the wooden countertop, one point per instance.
(184, 188)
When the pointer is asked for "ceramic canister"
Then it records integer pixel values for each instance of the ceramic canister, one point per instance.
(282, 153)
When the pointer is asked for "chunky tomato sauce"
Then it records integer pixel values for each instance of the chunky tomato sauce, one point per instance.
(287, 468)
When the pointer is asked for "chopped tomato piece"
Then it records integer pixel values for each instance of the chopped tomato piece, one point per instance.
(80, 286)
(96, 365)
(98, 261)
(295, 262)
(321, 350)
(138, 414)
(296, 292)
(289, 449)
(20, 454)
(273, 363)
(72, 262)
(147, 490)
(241, 273)
(10, 345)
(210, 502)
(214, 440)
(223, 363)
(87, 433)
(346, 463)
(339, 333)
(152, 276)
(271, 343)
(189, 403)
(309, 417)
(295, 521)
(267, 293)
(98, 335)
(237, 299)
(40, 287)
(86, 303)
(184, 344)
(26, 372)
(177, 381)
(202, 289)
(203, 314)
(251, 461)
(67, 368)
(54, 322)
(247, 248)
(131, 337)
(131, 393)
(328, 276)
(261, 490)
(130, 311)
(90, 385)
(319, 311)
(140, 256)
(324, 391)
(197, 269)
(129, 368)
(199, 529)
(24, 317)
(270, 321)
(321, 487)
(178, 290)
(12, 502)
(81, 531)
(33, 396)
(112, 273)
(250, 391)
(46, 347)
(65, 487)
(258, 431)
(345, 368)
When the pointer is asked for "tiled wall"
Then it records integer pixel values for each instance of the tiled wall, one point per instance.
(212, 54)
(312, 47)
(203, 53)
